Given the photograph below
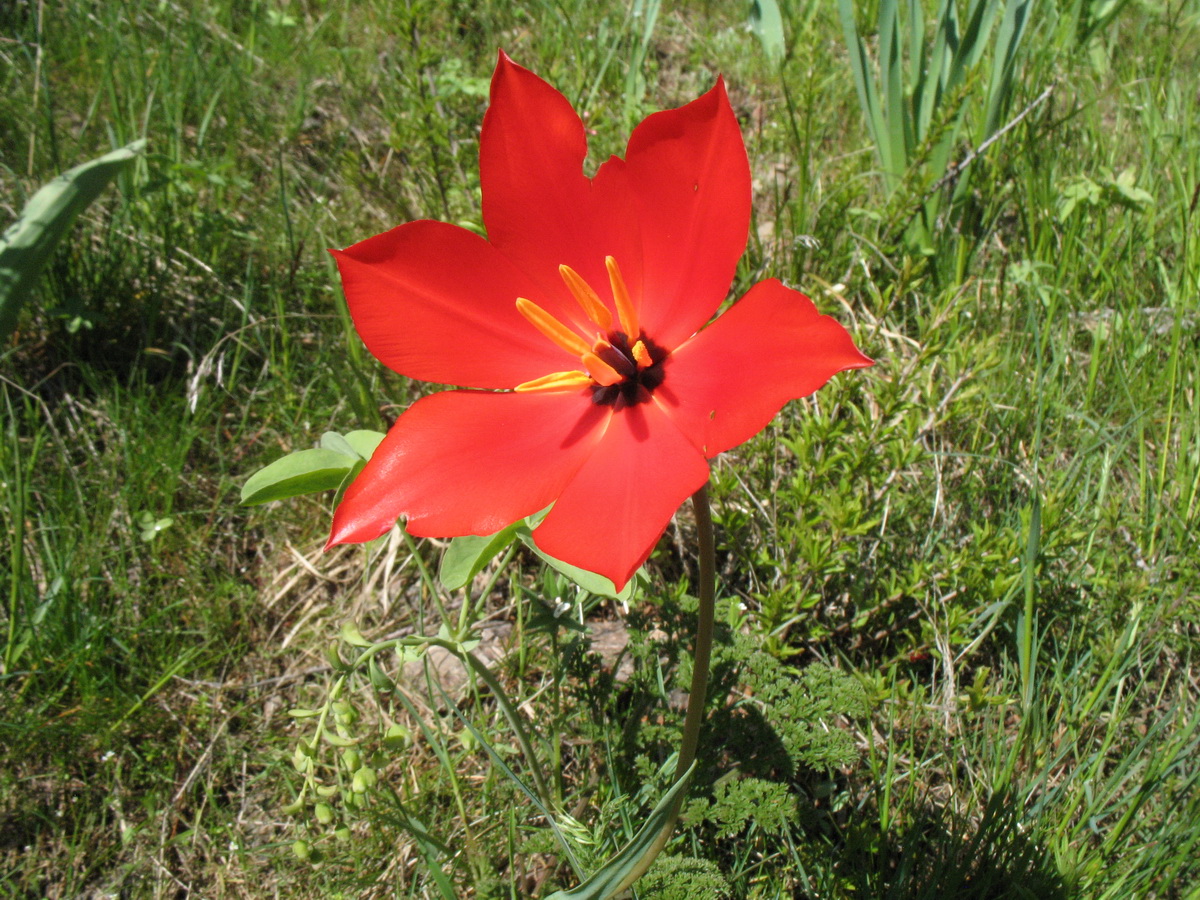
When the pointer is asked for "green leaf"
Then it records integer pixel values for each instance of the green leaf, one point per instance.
(767, 24)
(1127, 192)
(28, 243)
(636, 855)
(151, 526)
(466, 556)
(352, 636)
(589, 581)
(364, 442)
(299, 473)
(331, 440)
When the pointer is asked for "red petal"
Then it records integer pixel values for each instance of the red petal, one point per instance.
(438, 303)
(724, 385)
(688, 170)
(610, 516)
(539, 208)
(470, 462)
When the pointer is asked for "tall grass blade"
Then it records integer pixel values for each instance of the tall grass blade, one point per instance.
(868, 94)
(1008, 41)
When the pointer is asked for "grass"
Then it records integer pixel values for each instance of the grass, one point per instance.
(989, 537)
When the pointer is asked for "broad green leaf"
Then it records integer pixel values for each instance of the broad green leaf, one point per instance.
(331, 440)
(636, 856)
(767, 24)
(302, 472)
(27, 244)
(364, 442)
(589, 581)
(466, 556)
(359, 444)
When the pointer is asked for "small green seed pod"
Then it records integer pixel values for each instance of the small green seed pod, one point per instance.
(397, 737)
(344, 713)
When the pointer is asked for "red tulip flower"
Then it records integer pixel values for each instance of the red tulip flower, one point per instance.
(578, 328)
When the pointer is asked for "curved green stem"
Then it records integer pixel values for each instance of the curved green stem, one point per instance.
(705, 619)
(702, 653)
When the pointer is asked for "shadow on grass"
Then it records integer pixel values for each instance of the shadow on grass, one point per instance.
(936, 856)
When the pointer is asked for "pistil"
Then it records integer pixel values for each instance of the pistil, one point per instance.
(641, 355)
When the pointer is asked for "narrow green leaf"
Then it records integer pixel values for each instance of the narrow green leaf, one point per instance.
(27, 244)
(609, 879)
(1000, 86)
(891, 74)
(466, 556)
(868, 95)
(302, 472)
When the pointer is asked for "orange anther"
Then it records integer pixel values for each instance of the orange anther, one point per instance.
(601, 371)
(592, 305)
(559, 333)
(625, 308)
(642, 356)
(557, 381)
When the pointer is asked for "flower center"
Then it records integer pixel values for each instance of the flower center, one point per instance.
(620, 364)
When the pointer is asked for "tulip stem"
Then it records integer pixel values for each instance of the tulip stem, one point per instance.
(701, 655)
(705, 619)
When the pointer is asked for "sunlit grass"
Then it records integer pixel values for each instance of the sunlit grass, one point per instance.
(1028, 442)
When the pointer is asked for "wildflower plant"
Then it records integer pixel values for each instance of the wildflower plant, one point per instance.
(591, 385)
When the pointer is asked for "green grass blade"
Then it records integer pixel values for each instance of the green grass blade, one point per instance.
(891, 73)
(868, 95)
(980, 17)
(931, 84)
(1008, 41)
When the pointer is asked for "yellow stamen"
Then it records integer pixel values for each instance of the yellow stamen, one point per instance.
(588, 298)
(556, 381)
(601, 371)
(642, 356)
(552, 328)
(625, 309)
